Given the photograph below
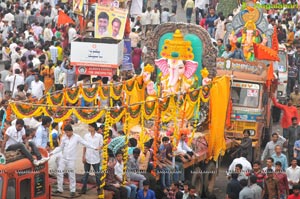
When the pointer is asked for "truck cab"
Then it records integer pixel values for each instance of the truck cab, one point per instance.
(20, 179)
(250, 101)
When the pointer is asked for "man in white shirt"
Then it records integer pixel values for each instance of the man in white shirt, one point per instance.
(119, 166)
(243, 161)
(53, 52)
(146, 19)
(270, 165)
(155, 17)
(16, 54)
(13, 140)
(48, 34)
(68, 146)
(57, 72)
(183, 148)
(16, 65)
(72, 33)
(134, 37)
(200, 9)
(15, 81)
(293, 174)
(37, 87)
(9, 17)
(91, 157)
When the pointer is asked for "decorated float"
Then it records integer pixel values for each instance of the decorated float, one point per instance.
(252, 77)
(185, 97)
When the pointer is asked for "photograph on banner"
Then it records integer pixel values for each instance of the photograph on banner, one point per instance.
(110, 22)
(78, 6)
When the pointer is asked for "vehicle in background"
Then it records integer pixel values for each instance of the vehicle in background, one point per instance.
(282, 66)
(19, 178)
(250, 88)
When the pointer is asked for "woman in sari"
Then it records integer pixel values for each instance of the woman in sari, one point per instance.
(48, 74)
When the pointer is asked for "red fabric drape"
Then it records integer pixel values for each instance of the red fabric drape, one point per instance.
(265, 53)
(63, 19)
(82, 23)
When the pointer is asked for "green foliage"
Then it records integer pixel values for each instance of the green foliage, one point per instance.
(227, 6)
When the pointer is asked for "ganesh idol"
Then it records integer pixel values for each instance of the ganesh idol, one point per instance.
(176, 65)
(250, 35)
(150, 87)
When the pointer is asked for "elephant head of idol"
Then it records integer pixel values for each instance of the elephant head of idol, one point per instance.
(176, 64)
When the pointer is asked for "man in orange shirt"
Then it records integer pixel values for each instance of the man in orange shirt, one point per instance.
(289, 111)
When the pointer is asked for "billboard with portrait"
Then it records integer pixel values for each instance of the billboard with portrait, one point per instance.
(78, 6)
(110, 22)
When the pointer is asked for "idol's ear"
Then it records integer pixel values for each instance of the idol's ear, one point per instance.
(162, 64)
(190, 68)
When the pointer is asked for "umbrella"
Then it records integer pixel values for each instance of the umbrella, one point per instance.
(116, 144)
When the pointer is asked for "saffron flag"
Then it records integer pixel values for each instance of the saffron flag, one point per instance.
(81, 22)
(63, 19)
(265, 53)
(275, 43)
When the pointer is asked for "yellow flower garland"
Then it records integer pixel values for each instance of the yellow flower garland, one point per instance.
(125, 155)
(203, 99)
(89, 121)
(69, 100)
(86, 98)
(105, 153)
(37, 112)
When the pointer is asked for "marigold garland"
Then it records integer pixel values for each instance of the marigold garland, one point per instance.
(55, 99)
(203, 98)
(58, 114)
(19, 109)
(105, 153)
(135, 110)
(89, 94)
(88, 116)
(125, 154)
(116, 91)
(129, 86)
(72, 95)
(149, 110)
(8, 112)
(155, 141)
(119, 117)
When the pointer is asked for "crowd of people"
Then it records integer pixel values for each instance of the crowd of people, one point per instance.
(35, 52)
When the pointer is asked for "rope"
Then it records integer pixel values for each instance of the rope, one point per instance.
(93, 107)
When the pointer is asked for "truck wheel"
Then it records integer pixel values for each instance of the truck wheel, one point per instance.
(210, 175)
(197, 180)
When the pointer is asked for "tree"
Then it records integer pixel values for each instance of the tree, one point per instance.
(227, 6)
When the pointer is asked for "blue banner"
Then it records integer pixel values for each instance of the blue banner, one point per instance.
(127, 62)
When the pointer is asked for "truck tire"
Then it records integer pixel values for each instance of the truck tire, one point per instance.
(209, 178)
(197, 180)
